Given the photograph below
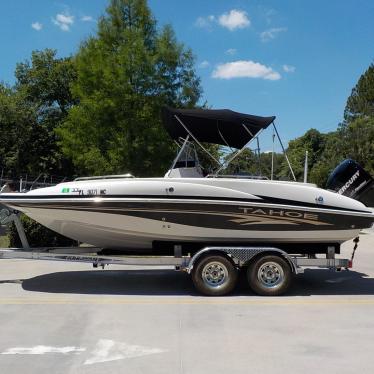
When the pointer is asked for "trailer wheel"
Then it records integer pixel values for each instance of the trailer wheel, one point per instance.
(269, 276)
(214, 275)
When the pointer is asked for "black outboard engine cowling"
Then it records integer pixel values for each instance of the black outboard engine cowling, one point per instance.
(350, 179)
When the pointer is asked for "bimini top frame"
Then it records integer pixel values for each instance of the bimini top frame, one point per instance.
(223, 127)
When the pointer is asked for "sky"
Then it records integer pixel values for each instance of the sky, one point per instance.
(295, 59)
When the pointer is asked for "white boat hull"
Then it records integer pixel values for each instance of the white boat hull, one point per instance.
(111, 230)
(108, 231)
(137, 213)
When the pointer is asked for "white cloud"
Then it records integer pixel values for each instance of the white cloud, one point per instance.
(37, 26)
(204, 64)
(205, 22)
(271, 34)
(245, 69)
(289, 68)
(87, 19)
(63, 21)
(235, 19)
(269, 13)
(231, 51)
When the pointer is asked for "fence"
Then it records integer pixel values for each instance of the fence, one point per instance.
(26, 183)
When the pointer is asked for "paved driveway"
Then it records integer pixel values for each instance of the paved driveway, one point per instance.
(69, 318)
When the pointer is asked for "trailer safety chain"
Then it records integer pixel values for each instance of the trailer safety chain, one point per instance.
(355, 240)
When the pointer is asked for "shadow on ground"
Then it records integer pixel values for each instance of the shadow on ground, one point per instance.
(170, 282)
(113, 282)
(328, 282)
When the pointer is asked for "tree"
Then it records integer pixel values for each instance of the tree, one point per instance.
(30, 112)
(361, 101)
(44, 85)
(313, 142)
(250, 163)
(357, 142)
(353, 139)
(18, 128)
(327, 159)
(125, 75)
(245, 163)
(46, 81)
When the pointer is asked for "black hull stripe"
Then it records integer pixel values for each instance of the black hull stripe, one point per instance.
(211, 215)
(263, 199)
(223, 221)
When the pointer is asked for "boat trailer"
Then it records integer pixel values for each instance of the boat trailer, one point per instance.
(214, 269)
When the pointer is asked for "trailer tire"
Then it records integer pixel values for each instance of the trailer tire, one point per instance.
(269, 276)
(214, 275)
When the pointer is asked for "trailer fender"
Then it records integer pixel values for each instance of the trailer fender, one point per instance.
(241, 256)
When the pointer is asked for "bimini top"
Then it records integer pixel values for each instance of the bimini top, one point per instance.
(221, 126)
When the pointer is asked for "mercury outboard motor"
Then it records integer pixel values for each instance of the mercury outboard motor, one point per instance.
(350, 179)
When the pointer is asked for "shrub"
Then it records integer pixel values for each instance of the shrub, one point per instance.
(38, 235)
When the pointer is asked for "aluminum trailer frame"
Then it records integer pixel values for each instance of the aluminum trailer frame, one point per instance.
(241, 256)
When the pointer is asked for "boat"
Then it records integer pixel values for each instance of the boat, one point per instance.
(192, 208)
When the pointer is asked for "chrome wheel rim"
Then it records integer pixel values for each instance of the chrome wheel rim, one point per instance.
(270, 274)
(214, 274)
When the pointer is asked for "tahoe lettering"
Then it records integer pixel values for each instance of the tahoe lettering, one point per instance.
(279, 213)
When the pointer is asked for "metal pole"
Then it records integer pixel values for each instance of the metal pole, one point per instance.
(229, 161)
(189, 132)
(226, 163)
(179, 154)
(272, 159)
(306, 168)
(20, 184)
(21, 231)
(259, 156)
(284, 152)
(32, 185)
(1, 179)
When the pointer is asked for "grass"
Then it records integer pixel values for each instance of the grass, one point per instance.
(4, 242)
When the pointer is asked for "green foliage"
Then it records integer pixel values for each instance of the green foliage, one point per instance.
(46, 82)
(313, 142)
(356, 141)
(31, 111)
(265, 159)
(4, 241)
(353, 140)
(250, 163)
(246, 163)
(125, 75)
(361, 101)
(38, 235)
(355, 137)
(17, 128)
(29, 114)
